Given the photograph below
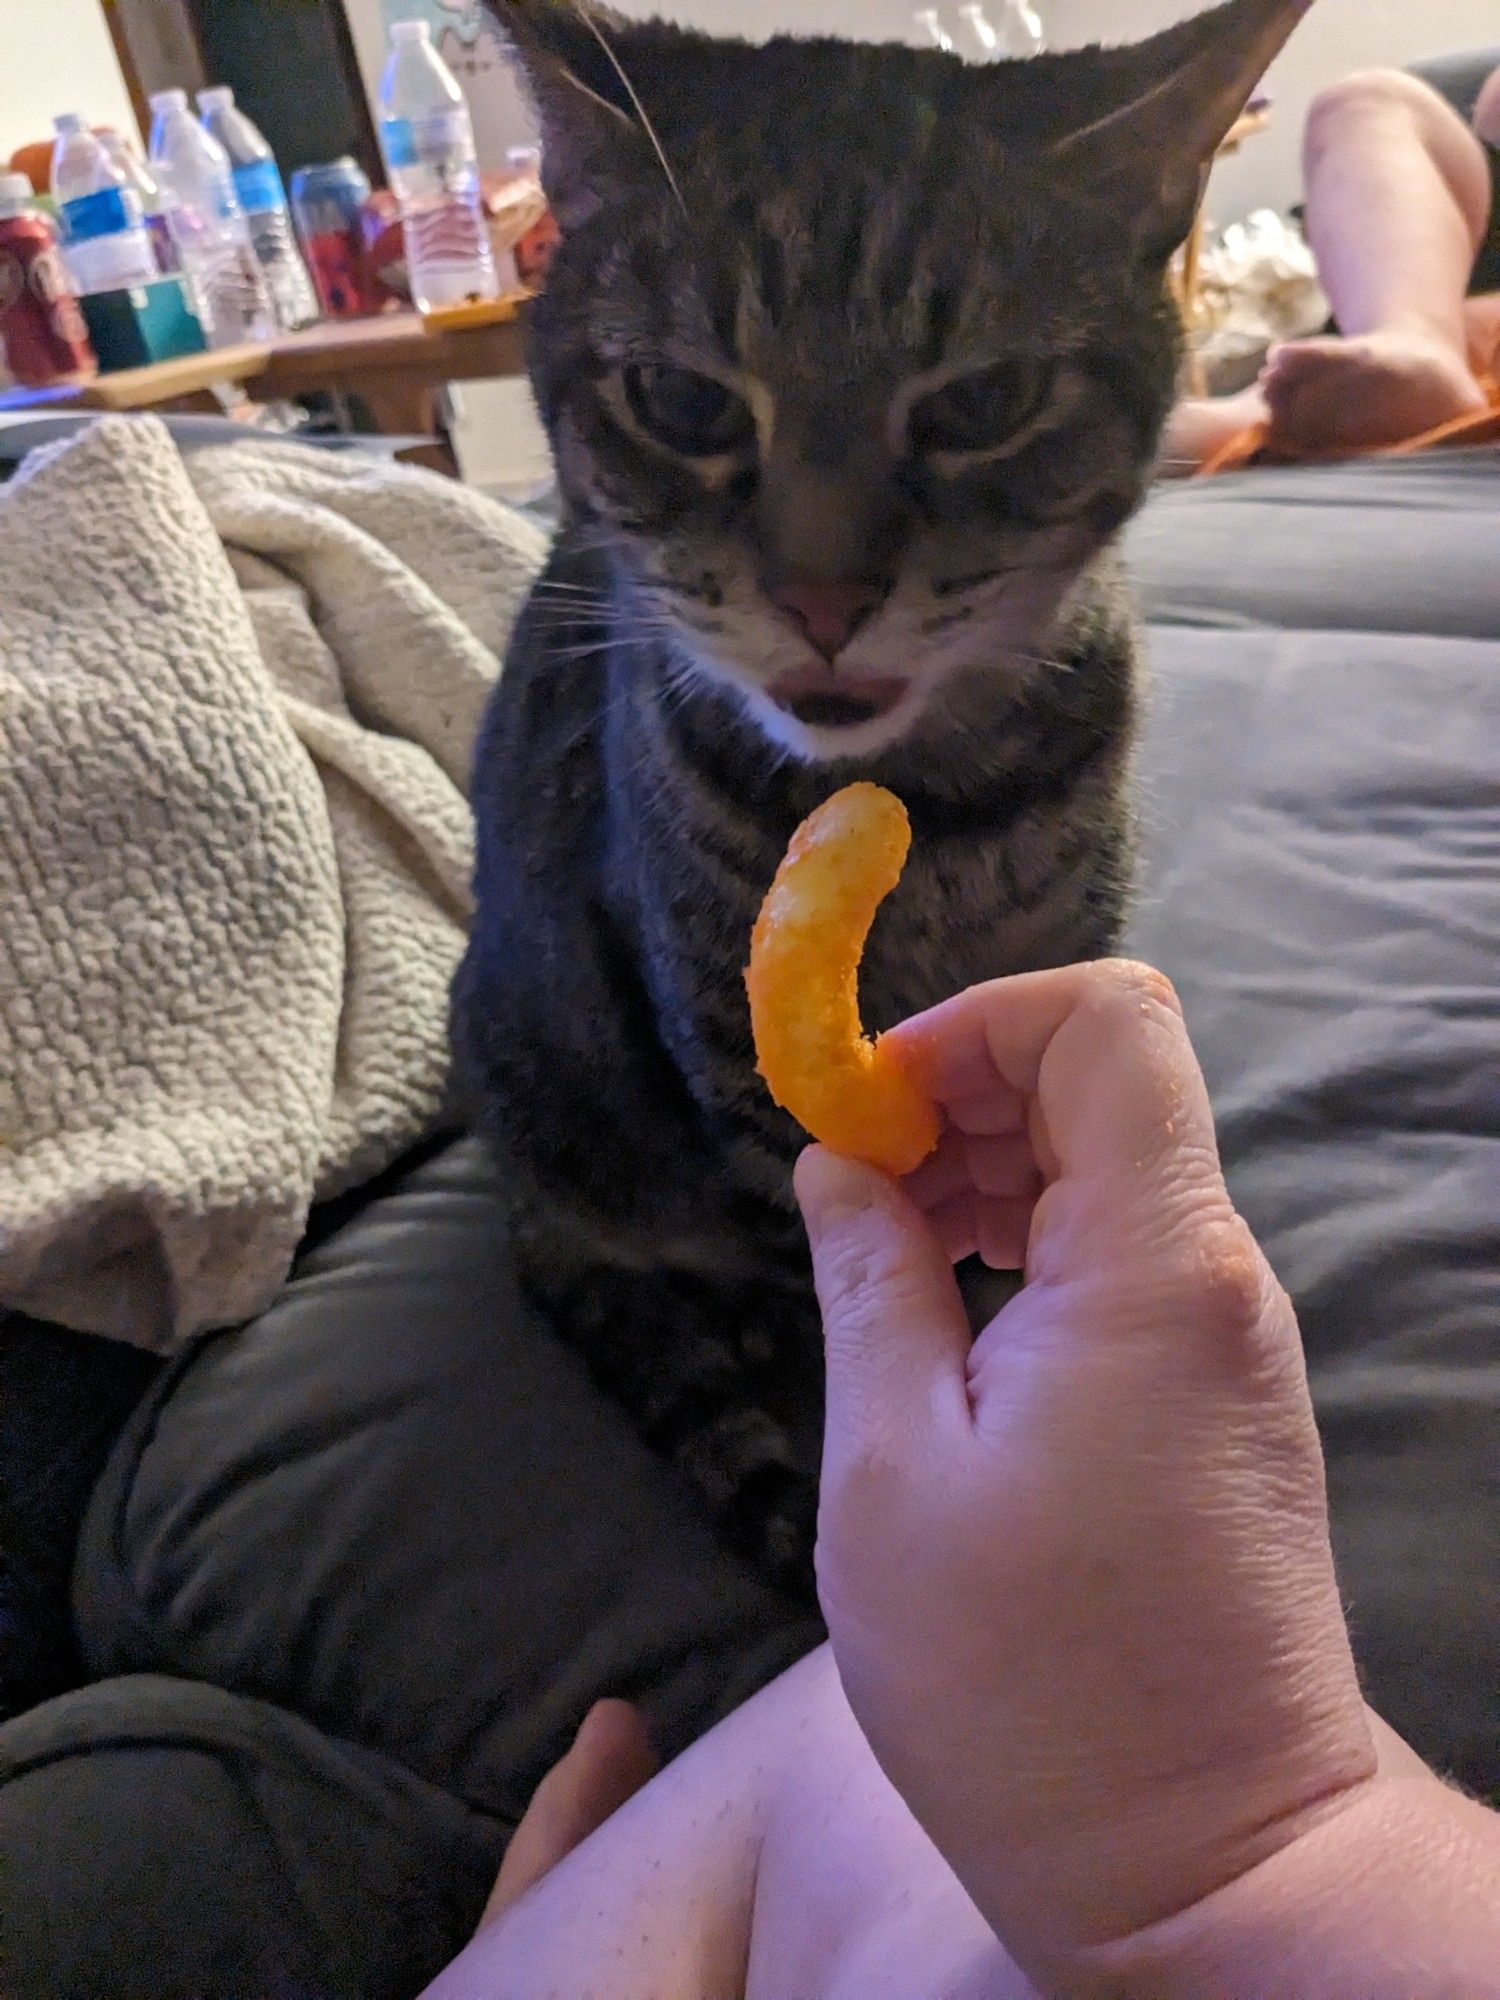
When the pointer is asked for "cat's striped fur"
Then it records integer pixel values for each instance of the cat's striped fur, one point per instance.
(638, 775)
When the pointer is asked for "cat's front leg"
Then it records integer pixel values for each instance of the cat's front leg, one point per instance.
(723, 1377)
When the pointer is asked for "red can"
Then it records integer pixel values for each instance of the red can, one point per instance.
(41, 328)
(327, 202)
(385, 247)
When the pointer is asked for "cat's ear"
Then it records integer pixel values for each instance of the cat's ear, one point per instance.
(591, 123)
(1175, 98)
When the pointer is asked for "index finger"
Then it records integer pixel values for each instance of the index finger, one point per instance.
(1101, 1049)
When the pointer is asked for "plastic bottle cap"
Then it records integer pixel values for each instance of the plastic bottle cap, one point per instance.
(218, 99)
(169, 100)
(69, 121)
(411, 31)
(15, 193)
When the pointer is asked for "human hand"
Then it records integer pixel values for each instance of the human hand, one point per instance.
(608, 1762)
(1077, 1575)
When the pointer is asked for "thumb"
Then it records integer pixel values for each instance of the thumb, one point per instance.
(896, 1338)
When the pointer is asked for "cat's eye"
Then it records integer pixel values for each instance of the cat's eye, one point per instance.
(982, 411)
(688, 412)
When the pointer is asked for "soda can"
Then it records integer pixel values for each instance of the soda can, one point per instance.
(328, 205)
(41, 327)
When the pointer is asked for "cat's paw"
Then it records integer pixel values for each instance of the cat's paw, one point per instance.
(778, 1534)
(763, 1501)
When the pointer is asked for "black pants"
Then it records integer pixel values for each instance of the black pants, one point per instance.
(350, 1580)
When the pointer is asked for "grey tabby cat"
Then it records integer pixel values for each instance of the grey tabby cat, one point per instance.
(853, 360)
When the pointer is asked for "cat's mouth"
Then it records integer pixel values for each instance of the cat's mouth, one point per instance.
(821, 699)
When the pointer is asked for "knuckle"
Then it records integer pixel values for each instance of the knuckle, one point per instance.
(862, 1277)
(1232, 1275)
(1221, 1281)
(851, 1276)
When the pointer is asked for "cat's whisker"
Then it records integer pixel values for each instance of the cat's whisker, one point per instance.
(573, 607)
(568, 654)
(603, 611)
(640, 110)
(619, 629)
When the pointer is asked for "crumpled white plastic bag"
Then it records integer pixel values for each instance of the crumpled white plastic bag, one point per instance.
(1258, 284)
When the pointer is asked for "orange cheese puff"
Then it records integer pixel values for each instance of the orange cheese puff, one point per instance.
(849, 1092)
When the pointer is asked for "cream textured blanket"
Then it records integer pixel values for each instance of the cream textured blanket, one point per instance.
(238, 695)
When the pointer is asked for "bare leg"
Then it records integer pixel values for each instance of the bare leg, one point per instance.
(773, 1859)
(1398, 196)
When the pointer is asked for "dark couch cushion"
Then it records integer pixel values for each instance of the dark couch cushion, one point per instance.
(162, 1840)
(1322, 808)
(64, 1398)
(399, 1507)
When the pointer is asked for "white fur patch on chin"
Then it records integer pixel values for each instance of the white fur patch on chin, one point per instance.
(830, 746)
(807, 744)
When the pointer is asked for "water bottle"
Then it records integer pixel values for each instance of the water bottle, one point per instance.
(1006, 29)
(105, 244)
(257, 182)
(1021, 32)
(208, 226)
(428, 142)
(136, 174)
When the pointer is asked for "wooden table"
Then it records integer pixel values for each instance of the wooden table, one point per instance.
(395, 366)
(188, 381)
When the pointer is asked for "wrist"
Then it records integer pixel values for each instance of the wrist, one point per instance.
(1393, 1895)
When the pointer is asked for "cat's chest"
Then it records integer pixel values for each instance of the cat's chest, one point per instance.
(964, 911)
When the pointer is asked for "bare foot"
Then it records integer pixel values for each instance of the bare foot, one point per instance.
(1200, 427)
(1372, 390)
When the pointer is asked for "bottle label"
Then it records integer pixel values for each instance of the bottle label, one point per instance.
(258, 185)
(398, 142)
(105, 213)
(407, 141)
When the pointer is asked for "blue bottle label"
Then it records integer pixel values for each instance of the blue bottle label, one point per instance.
(105, 213)
(434, 135)
(258, 185)
(398, 142)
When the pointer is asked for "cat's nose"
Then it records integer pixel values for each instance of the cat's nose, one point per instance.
(827, 614)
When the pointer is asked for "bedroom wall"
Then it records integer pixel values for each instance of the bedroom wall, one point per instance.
(57, 57)
(1338, 36)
